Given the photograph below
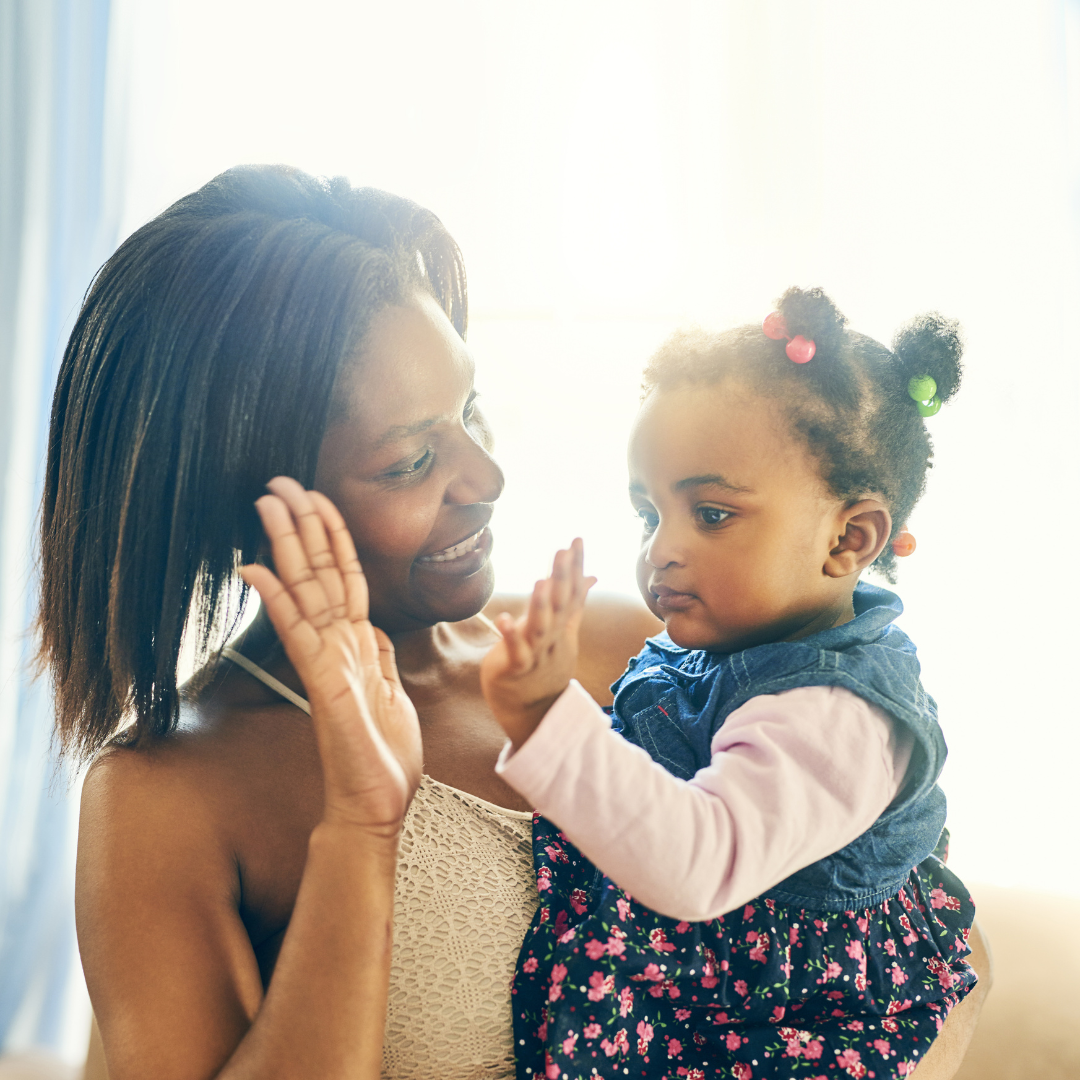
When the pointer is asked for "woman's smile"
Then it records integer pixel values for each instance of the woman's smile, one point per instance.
(463, 558)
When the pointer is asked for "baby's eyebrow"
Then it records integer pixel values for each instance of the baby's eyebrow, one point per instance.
(710, 480)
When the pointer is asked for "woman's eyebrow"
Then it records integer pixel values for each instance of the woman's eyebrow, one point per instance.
(710, 480)
(407, 431)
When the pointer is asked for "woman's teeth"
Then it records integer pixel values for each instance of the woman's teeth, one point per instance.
(455, 552)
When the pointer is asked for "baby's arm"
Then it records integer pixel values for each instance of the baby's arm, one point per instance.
(794, 777)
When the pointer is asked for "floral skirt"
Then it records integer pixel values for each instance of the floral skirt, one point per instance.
(606, 987)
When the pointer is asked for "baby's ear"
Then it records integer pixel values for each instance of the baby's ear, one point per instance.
(861, 532)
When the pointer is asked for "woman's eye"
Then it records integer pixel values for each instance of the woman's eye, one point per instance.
(649, 518)
(712, 515)
(414, 466)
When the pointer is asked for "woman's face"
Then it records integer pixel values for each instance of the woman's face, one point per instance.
(409, 468)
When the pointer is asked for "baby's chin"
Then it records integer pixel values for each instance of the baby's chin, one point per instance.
(690, 633)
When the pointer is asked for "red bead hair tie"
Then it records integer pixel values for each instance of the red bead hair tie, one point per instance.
(800, 350)
(904, 544)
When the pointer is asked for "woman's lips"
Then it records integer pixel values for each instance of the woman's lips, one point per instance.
(668, 599)
(464, 557)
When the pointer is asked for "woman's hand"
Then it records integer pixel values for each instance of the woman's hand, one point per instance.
(532, 665)
(366, 727)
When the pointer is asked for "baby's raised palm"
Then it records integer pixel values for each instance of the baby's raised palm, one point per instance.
(366, 727)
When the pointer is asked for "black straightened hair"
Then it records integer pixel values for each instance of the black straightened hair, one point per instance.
(202, 364)
(849, 404)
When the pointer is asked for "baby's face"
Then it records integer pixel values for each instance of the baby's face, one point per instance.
(738, 523)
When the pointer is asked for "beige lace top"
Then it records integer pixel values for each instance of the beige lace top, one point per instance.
(465, 895)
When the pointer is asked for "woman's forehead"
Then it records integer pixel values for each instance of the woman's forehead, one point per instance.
(412, 371)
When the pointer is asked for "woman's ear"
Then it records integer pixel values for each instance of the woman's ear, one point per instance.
(862, 530)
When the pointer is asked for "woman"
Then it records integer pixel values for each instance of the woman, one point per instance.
(236, 879)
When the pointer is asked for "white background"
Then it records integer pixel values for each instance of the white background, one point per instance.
(613, 170)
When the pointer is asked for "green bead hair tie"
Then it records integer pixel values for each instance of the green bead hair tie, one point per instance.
(923, 391)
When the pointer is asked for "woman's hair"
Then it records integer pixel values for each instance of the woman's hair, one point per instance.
(850, 403)
(202, 364)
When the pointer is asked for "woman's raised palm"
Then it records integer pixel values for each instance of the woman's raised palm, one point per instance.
(367, 730)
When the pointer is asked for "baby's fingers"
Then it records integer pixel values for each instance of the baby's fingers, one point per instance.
(539, 618)
(518, 652)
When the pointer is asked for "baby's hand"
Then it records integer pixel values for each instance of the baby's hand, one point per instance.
(524, 673)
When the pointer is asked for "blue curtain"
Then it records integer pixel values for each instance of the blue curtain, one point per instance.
(58, 222)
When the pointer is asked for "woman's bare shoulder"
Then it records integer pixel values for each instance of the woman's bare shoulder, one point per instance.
(613, 630)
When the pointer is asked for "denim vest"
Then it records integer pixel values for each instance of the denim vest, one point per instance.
(671, 702)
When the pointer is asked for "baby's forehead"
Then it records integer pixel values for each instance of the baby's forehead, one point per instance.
(717, 430)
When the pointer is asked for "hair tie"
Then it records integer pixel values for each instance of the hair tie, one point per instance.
(923, 391)
(800, 350)
(904, 544)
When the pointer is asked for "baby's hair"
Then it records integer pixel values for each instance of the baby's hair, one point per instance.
(850, 403)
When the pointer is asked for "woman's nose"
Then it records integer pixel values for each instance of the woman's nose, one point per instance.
(479, 478)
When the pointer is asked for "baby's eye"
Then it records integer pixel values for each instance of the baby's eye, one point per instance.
(712, 515)
(650, 518)
(470, 408)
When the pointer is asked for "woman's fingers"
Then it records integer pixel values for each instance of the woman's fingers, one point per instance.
(312, 530)
(387, 658)
(289, 622)
(344, 550)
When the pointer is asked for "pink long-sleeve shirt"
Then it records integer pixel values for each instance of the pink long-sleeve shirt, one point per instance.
(793, 777)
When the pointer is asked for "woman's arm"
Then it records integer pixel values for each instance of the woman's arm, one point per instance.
(169, 965)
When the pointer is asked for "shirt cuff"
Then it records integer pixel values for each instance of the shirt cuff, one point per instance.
(559, 736)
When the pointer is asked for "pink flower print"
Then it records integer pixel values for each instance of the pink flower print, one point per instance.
(889, 1024)
(898, 976)
(907, 902)
(530, 965)
(834, 995)
(854, 1025)
(594, 949)
(940, 899)
(551, 1070)
(788, 1033)
(860, 981)
(850, 1061)
(562, 921)
(568, 936)
(682, 1014)
(656, 991)
(556, 853)
(793, 935)
(777, 1014)
(882, 1047)
(682, 927)
(599, 986)
(543, 879)
(724, 966)
(672, 990)
(741, 1071)
(545, 914)
(569, 1043)
(699, 1040)
(658, 940)
(813, 1049)
(905, 1068)
(654, 973)
(734, 1041)
(740, 987)
(758, 951)
(833, 970)
(622, 1043)
(579, 901)
(626, 1001)
(890, 946)
(771, 905)
(751, 936)
(558, 973)
(674, 1048)
(609, 1047)
(862, 924)
(645, 1034)
(615, 946)
(720, 1018)
(695, 1074)
(555, 992)
(541, 1032)
(905, 922)
(592, 1031)
(896, 1006)
(624, 908)
(794, 1049)
(748, 912)
(854, 949)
